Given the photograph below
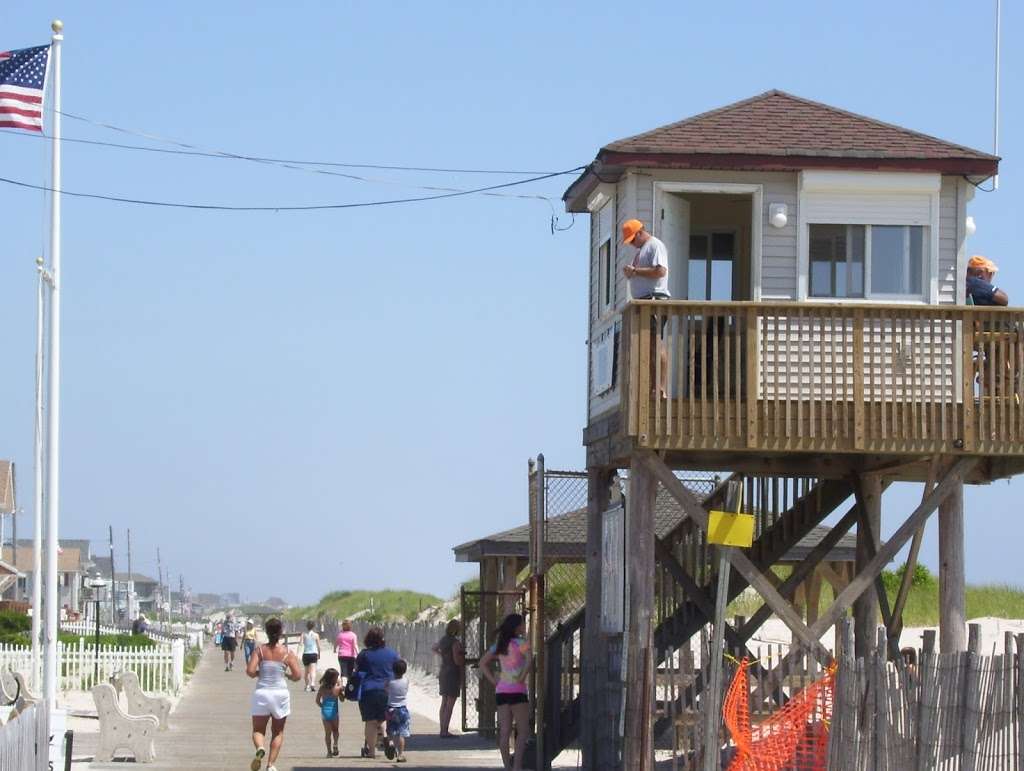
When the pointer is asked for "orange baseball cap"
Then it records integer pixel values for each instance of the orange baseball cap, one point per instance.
(984, 263)
(629, 230)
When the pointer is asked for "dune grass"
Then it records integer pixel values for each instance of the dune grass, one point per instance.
(999, 600)
(387, 605)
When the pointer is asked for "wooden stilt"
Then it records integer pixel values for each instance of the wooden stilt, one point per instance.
(638, 745)
(865, 607)
(595, 713)
(952, 601)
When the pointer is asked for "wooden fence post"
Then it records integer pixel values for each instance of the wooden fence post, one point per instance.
(972, 702)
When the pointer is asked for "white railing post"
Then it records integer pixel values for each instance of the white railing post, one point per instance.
(177, 665)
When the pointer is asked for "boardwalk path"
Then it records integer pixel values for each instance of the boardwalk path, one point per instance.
(210, 729)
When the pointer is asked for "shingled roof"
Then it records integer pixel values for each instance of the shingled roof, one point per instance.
(782, 132)
(567, 538)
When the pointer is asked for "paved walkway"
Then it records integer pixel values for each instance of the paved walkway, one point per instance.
(210, 729)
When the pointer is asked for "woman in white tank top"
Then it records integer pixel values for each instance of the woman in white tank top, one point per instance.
(271, 664)
(310, 655)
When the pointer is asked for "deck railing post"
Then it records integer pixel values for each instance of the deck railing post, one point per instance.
(643, 375)
(751, 371)
(967, 434)
(858, 380)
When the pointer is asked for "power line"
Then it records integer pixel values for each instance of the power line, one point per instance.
(289, 208)
(193, 150)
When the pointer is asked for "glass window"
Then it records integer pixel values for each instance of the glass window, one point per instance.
(723, 248)
(897, 259)
(840, 256)
(607, 288)
(836, 260)
(698, 268)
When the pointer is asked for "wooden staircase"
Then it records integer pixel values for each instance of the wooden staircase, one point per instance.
(786, 511)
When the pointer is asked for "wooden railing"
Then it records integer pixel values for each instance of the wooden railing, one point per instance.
(824, 377)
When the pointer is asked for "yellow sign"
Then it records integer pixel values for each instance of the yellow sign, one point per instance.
(728, 529)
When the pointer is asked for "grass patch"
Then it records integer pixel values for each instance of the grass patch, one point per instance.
(192, 657)
(387, 605)
(922, 609)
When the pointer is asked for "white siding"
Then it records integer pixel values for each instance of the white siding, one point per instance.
(952, 212)
(778, 245)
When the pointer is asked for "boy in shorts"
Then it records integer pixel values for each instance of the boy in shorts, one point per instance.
(399, 722)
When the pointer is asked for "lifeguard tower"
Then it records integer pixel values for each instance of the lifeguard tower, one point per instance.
(817, 329)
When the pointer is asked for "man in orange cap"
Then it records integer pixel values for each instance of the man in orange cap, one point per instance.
(648, 280)
(980, 289)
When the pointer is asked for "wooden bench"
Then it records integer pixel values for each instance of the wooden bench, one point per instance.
(21, 699)
(120, 731)
(138, 702)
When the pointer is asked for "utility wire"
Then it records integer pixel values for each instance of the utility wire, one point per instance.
(310, 207)
(190, 149)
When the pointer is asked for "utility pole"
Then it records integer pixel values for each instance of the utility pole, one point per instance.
(113, 580)
(131, 579)
(181, 594)
(160, 584)
(14, 549)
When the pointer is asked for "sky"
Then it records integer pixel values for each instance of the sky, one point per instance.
(293, 403)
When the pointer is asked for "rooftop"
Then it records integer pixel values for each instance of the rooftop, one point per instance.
(782, 132)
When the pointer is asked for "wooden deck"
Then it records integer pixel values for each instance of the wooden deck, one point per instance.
(859, 379)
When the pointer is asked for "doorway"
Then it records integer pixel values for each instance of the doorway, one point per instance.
(710, 241)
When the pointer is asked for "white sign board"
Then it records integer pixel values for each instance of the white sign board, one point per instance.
(602, 356)
(613, 570)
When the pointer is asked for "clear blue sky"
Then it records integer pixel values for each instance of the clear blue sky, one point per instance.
(292, 403)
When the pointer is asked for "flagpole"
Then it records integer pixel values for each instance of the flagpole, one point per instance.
(37, 525)
(53, 392)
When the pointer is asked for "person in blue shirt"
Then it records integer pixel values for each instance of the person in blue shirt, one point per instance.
(980, 290)
(375, 664)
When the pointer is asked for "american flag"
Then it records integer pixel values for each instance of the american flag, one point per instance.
(22, 81)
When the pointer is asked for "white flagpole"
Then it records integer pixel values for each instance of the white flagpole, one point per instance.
(53, 418)
(37, 529)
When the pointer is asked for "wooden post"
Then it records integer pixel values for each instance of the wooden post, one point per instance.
(507, 582)
(865, 607)
(952, 601)
(638, 747)
(488, 623)
(711, 706)
(594, 660)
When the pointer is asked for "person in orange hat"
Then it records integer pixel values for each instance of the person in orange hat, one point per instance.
(648, 280)
(980, 290)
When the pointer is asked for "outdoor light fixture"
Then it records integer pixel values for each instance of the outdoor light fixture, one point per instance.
(96, 582)
(970, 227)
(778, 215)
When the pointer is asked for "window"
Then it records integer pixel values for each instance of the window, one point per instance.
(607, 275)
(711, 266)
(605, 262)
(866, 260)
(837, 260)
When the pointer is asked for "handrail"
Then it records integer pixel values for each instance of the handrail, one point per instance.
(823, 377)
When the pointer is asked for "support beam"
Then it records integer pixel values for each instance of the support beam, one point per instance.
(739, 561)
(862, 581)
(865, 608)
(953, 478)
(895, 626)
(638, 731)
(488, 623)
(593, 660)
(803, 569)
(952, 597)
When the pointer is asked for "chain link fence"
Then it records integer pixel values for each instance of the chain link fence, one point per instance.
(565, 534)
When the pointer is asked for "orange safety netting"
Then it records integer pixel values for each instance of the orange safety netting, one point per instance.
(795, 737)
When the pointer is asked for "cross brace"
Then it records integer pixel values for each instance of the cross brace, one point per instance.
(739, 561)
(957, 472)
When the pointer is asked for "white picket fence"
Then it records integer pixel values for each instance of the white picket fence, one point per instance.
(161, 669)
(164, 633)
(24, 741)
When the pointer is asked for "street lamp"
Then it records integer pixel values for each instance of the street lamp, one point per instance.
(96, 582)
